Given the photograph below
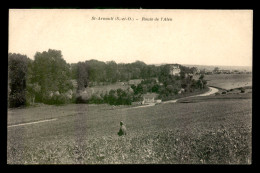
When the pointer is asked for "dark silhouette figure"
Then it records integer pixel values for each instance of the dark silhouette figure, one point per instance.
(122, 130)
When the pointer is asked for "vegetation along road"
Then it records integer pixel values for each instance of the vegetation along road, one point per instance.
(210, 92)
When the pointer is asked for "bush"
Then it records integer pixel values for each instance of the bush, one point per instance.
(96, 99)
(224, 92)
(17, 99)
(137, 98)
(119, 97)
(57, 100)
(242, 90)
(79, 99)
(155, 88)
(114, 97)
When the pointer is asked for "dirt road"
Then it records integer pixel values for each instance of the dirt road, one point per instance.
(210, 92)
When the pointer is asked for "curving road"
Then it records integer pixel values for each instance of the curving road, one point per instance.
(210, 92)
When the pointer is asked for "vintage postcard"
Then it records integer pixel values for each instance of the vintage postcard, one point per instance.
(129, 86)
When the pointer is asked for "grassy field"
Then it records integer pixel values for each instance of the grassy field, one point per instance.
(229, 81)
(197, 130)
(216, 130)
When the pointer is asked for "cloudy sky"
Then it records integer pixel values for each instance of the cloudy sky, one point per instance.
(202, 37)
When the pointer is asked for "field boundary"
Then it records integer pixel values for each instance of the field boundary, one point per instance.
(35, 122)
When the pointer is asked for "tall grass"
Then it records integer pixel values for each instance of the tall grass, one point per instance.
(219, 146)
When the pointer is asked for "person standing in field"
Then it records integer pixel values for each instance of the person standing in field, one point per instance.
(122, 130)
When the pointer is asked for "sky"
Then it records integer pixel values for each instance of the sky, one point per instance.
(199, 37)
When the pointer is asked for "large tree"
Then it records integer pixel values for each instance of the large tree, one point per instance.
(17, 71)
(51, 72)
(82, 75)
(112, 71)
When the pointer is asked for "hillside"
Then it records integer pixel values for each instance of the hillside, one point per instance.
(87, 133)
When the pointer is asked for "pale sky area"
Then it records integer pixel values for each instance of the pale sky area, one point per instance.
(199, 37)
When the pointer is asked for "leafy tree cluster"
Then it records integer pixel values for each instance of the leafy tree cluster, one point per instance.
(169, 85)
(52, 74)
(146, 85)
(17, 74)
(113, 97)
(45, 79)
(95, 72)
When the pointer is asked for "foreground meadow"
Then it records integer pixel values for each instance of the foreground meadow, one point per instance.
(216, 130)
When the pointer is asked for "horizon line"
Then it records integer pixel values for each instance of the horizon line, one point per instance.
(162, 63)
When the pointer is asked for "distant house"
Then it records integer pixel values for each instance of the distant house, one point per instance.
(182, 90)
(150, 98)
(175, 70)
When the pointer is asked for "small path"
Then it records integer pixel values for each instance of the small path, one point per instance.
(35, 122)
(148, 105)
(210, 92)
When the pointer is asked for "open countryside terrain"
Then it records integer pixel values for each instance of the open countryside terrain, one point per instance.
(229, 81)
(212, 67)
(211, 129)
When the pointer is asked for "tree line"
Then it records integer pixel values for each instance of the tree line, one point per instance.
(48, 79)
(94, 72)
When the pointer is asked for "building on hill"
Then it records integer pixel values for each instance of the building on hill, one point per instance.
(149, 98)
(182, 90)
(175, 70)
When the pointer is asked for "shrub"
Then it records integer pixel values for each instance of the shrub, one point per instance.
(155, 88)
(137, 98)
(79, 99)
(224, 92)
(96, 99)
(17, 99)
(242, 90)
(56, 99)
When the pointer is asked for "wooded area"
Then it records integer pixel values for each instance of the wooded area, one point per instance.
(48, 79)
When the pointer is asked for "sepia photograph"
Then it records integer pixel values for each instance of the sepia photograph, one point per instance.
(129, 86)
